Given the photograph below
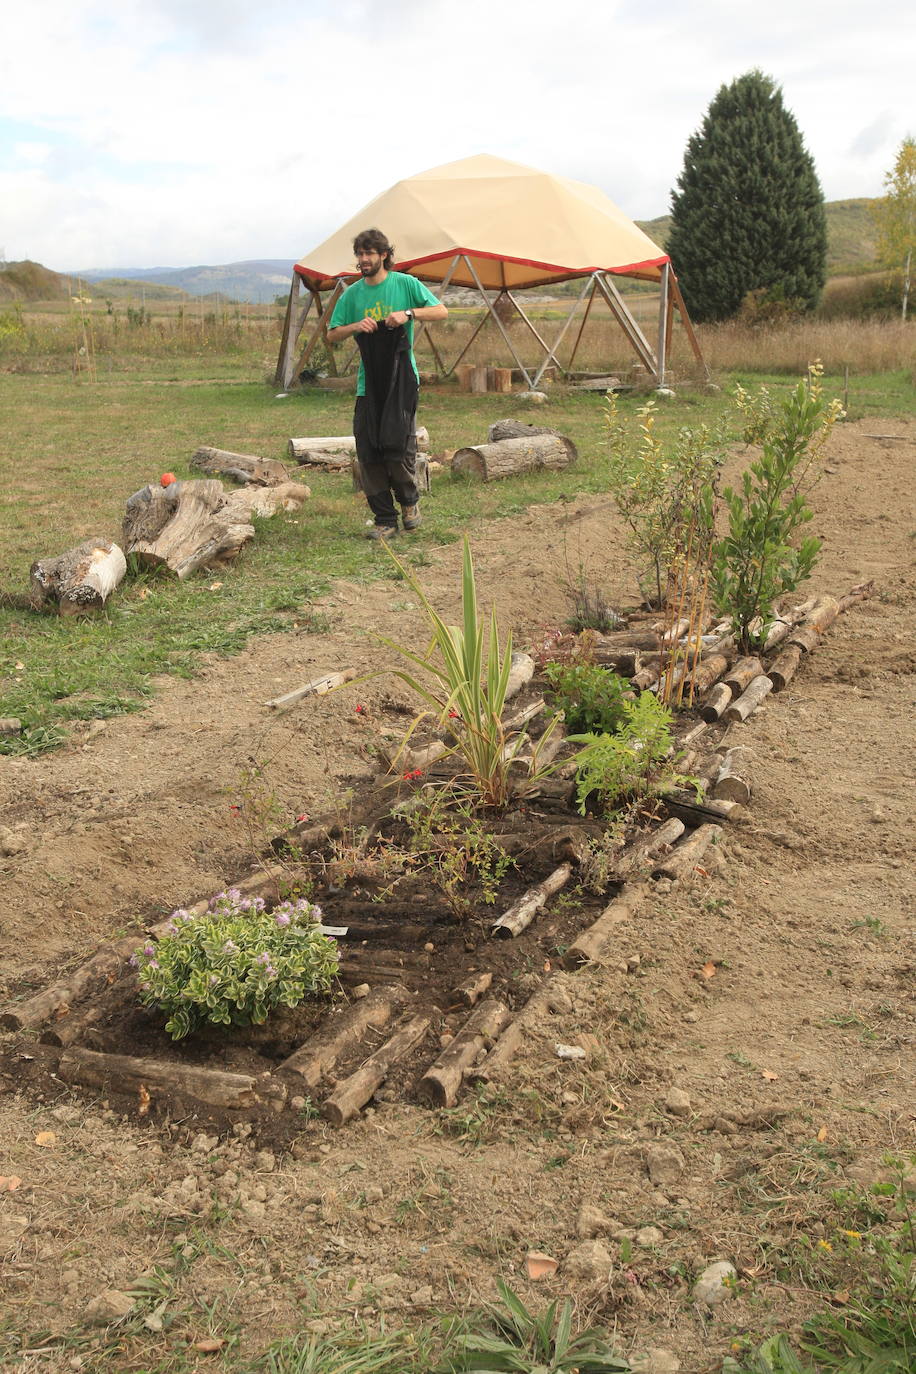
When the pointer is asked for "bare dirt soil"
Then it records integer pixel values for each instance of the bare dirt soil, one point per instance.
(795, 1054)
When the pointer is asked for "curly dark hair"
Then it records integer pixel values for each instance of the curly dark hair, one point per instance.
(374, 241)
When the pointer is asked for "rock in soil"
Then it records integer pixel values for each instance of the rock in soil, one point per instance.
(715, 1283)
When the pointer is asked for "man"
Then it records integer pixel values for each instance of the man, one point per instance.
(379, 312)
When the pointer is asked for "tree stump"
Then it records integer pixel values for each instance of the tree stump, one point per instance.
(508, 457)
(183, 527)
(241, 467)
(80, 580)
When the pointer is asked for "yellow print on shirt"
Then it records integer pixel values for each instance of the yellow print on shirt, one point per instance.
(376, 312)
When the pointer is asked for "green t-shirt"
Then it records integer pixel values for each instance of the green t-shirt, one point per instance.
(397, 292)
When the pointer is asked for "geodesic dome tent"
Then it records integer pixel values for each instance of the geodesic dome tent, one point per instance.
(497, 227)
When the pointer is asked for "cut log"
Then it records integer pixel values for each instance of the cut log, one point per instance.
(855, 594)
(532, 1017)
(80, 580)
(70, 1027)
(126, 1074)
(716, 702)
(508, 457)
(635, 855)
(183, 527)
(317, 687)
(555, 792)
(523, 911)
(742, 675)
(440, 1085)
(686, 808)
(473, 988)
(784, 669)
(350, 1096)
(10, 725)
(96, 973)
(337, 447)
(516, 429)
(708, 670)
(499, 379)
(521, 671)
(685, 856)
(592, 944)
(807, 634)
(264, 502)
(240, 467)
(749, 700)
(319, 1055)
(732, 782)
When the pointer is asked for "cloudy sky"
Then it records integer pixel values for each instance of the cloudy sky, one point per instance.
(178, 132)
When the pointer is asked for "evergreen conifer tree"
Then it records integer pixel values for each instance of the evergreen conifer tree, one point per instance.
(749, 212)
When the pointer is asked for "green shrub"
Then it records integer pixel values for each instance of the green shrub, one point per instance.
(236, 963)
(630, 763)
(591, 698)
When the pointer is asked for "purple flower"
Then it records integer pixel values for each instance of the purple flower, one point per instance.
(259, 903)
(133, 961)
(282, 919)
(263, 959)
(230, 947)
(235, 894)
(153, 963)
(245, 904)
(149, 950)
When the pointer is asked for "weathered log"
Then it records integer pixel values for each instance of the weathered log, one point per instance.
(516, 429)
(441, 1083)
(591, 944)
(264, 502)
(499, 379)
(685, 856)
(855, 594)
(742, 674)
(686, 808)
(557, 791)
(647, 674)
(354, 1092)
(707, 671)
(473, 988)
(640, 851)
(511, 456)
(317, 687)
(732, 782)
(342, 1033)
(523, 911)
(807, 634)
(124, 1073)
(183, 527)
(69, 1027)
(785, 622)
(241, 467)
(10, 725)
(749, 700)
(716, 702)
(96, 973)
(521, 671)
(535, 1011)
(80, 580)
(784, 669)
(308, 450)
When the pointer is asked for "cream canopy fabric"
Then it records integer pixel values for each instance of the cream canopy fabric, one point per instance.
(518, 226)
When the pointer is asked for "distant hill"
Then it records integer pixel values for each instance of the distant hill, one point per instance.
(29, 281)
(850, 235)
(259, 280)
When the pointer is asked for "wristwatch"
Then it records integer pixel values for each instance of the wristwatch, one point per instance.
(409, 314)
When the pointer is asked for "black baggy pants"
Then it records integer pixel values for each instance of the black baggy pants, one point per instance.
(386, 474)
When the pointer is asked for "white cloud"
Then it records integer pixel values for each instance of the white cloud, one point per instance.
(181, 132)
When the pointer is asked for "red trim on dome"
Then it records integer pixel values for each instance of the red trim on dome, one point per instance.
(553, 269)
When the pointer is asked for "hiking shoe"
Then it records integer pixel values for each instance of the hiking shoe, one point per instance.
(411, 517)
(382, 532)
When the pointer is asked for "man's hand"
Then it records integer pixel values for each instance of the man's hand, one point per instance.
(367, 325)
(395, 318)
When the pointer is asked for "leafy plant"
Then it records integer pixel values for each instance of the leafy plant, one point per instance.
(235, 963)
(590, 696)
(522, 1343)
(629, 763)
(662, 491)
(466, 684)
(758, 560)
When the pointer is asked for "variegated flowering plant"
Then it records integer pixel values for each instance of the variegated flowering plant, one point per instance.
(235, 963)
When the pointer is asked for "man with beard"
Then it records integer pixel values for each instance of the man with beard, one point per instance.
(379, 311)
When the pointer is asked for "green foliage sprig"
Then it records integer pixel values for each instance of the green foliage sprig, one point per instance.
(591, 697)
(236, 963)
(761, 557)
(633, 762)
